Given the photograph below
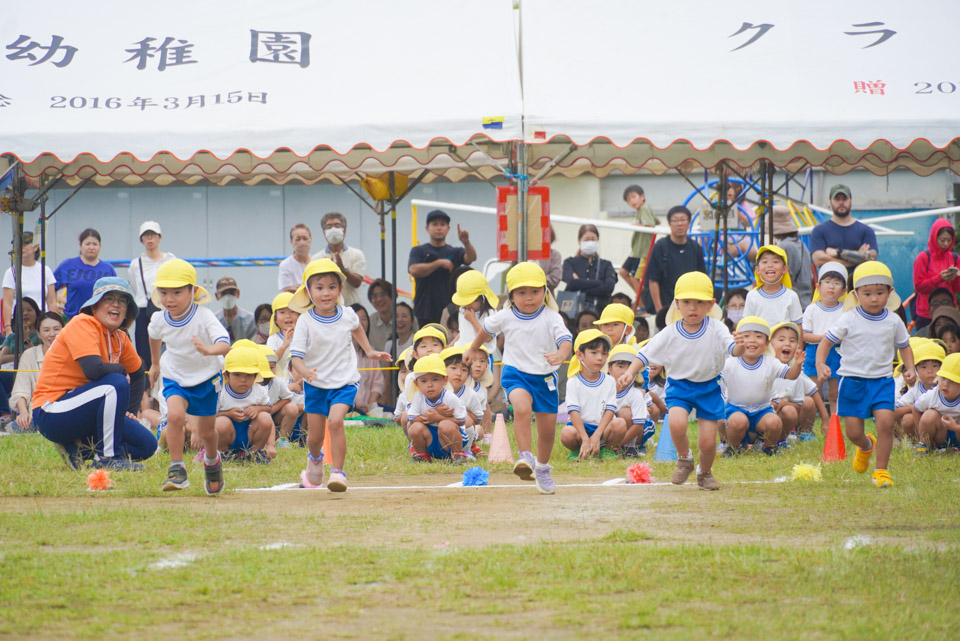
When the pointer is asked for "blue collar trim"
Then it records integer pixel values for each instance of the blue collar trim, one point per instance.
(748, 366)
(829, 309)
(872, 317)
(326, 319)
(595, 383)
(697, 334)
(523, 316)
(181, 321)
(777, 294)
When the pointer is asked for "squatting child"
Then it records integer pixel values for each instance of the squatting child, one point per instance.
(244, 425)
(436, 415)
(796, 402)
(928, 356)
(457, 377)
(593, 429)
(633, 404)
(937, 411)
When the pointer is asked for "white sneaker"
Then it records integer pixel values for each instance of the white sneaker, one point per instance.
(338, 480)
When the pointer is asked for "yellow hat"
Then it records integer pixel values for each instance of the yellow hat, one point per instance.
(872, 272)
(245, 342)
(443, 330)
(280, 301)
(243, 360)
(583, 338)
(788, 324)
(693, 285)
(773, 249)
(453, 350)
(301, 302)
(178, 273)
(430, 364)
(928, 351)
(404, 357)
(266, 355)
(423, 332)
(754, 324)
(915, 342)
(616, 313)
(622, 353)
(950, 368)
(529, 274)
(472, 285)
(674, 314)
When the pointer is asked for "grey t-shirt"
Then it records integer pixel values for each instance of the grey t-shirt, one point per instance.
(798, 262)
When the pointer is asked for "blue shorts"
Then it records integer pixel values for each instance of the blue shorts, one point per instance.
(435, 450)
(542, 388)
(861, 397)
(590, 427)
(833, 361)
(241, 435)
(201, 399)
(752, 418)
(705, 397)
(318, 400)
(952, 440)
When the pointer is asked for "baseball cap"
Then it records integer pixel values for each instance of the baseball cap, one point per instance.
(438, 214)
(149, 225)
(226, 283)
(840, 189)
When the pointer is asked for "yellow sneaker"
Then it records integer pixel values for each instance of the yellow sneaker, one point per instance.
(861, 460)
(881, 478)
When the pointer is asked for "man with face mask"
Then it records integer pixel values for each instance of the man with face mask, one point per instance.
(350, 260)
(842, 238)
(239, 322)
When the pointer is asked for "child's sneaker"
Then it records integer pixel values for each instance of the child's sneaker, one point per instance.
(683, 471)
(118, 463)
(730, 452)
(861, 460)
(921, 449)
(606, 453)
(783, 445)
(460, 458)
(792, 437)
(806, 437)
(544, 479)
(419, 457)
(213, 478)
(524, 466)
(477, 451)
(316, 468)
(338, 480)
(573, 455)
(881, 478)
(176, 479)
(707, 482)
(630, 451)
(722, 447)
(282, 442)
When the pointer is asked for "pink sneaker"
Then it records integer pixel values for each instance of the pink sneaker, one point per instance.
(317, 469)
(338, 480)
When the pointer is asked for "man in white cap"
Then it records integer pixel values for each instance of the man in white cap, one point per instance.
(141, 275)
(798, 256)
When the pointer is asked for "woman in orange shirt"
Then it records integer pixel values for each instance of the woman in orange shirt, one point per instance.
(91, 383)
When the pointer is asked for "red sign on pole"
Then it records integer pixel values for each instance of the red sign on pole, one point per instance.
(538, 223)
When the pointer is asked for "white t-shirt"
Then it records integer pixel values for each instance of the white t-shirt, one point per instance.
(636, 400)
(528, 337)
(277, 391)
(785, 389)
(181, 362)
(749, 386)
(149, 276)
(591, 398)
(818, 318)
(471, 401)
(467, 333)
(780, 307)
(274, 341)
(421, 404)
(290, 273)
(698, 357)
(869, 342)
(910, 397)
(230, 400)
(31, 283)
(325, 344)
(354, 260)
(934, 400)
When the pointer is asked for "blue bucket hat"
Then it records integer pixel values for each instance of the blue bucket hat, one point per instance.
(113, 284)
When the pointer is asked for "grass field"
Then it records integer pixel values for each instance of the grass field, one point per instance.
(756, 560)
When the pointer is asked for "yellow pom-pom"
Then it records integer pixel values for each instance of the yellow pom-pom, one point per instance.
(806, 472)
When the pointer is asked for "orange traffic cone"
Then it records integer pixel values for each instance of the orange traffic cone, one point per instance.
(327, 455)
(834, 449)
(500, 444)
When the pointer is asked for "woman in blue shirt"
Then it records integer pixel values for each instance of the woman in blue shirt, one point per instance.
(80, 273)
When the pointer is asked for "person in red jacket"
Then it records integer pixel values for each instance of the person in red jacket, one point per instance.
(937, 266)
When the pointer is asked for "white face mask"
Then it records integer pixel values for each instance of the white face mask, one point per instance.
(228, 301)
(589, 247)
(735, 315)
(264, 328)
(334, 235)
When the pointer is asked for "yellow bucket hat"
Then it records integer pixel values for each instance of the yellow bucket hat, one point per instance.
(928, 351)
(915, 342)
(404, 357)
(950, 368)
(754, 324)
(616, 313)
(301, 302)
(622, 353)
(583, 338)
(472, 285)
(793, 326)
(244, 342)
(453, 350)
(529, 274)
(426, 331)
(266, 355)
(178, 273)
(872, 272)
(430, 364)
(243, 360)
(693, 285)
(280, 301)
(773, 249)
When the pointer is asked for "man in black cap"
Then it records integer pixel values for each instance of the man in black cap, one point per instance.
(842, 238)
(431, 264)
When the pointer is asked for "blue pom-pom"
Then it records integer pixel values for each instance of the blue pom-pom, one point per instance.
(475, 476)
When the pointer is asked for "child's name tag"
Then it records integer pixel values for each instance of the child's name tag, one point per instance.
(551, 384)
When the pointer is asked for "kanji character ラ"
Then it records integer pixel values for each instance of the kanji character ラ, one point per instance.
(885, 34)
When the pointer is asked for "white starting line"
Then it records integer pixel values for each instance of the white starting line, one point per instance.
(620, 482)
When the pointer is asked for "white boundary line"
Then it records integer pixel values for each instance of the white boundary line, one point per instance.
(619, 482)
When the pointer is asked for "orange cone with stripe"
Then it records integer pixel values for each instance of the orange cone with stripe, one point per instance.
(327, 456)
(834, 448)
(500, 443)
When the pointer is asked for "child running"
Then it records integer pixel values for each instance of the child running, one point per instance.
(870, 334)
(937, 411)
(820, 316)
(694, 350)
(773, 300)
(593, 428)
(195, 343)
(632, 403)
(321, 352)
(536, 342)
(436, 416)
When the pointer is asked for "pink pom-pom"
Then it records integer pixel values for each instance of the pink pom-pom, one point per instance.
(639, 473)
(99, 480)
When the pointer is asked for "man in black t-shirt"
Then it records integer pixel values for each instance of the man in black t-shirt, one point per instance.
(673, 257)
(430, 265)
